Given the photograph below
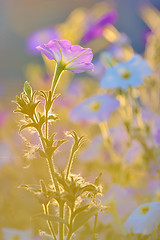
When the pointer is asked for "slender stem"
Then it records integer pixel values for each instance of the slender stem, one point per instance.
(46, 124)
(155, 234)
(104, 130)
(52, 172)
(116, 218)
(45, 209)
(56, 77)
(61, 225)
(70, 225)
(50, 163)
(70, 163)
(95, 225)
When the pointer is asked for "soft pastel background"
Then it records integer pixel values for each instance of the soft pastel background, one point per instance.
(18, 18)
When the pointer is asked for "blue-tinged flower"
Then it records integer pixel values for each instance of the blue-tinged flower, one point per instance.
(73, 58)
(125, 74)
(96, 30)
(14, 234)
(143, 219)
(95, 109)
(40, 37)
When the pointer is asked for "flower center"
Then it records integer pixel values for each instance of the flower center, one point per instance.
(16, 237)
(144, 210)
(95, 106)
(125, 73)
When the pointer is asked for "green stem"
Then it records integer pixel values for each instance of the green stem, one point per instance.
(155, 234)
(70, 163)
(46, 212)
(52, 172)
(104, 131)
(56, 77)
(46, 124)
(95, 225)
(70, 225)
(50, 163)
(61, 226)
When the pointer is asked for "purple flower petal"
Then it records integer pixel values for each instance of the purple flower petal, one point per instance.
(96, 30)
(74, 58)
(40, 37)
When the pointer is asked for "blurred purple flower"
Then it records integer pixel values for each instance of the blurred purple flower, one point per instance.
(40, 37)
(3, 117)
(95, 109)
(73, 58)
(96, 30)
(125, 74)
(146, 33)
(157, 137)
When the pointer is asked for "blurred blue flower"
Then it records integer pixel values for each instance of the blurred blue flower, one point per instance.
(125, 74)
(95, 109)
(40, 37)
(144, 219)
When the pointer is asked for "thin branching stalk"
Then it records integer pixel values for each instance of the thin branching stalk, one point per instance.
(70, 163)
(95, 226)
(46, 212)
(56, 77)
(61, 225)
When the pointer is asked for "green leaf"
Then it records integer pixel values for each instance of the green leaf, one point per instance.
(88, 188)
(83, 217)
(52, 218)
(79, 210)
(32, 188)
(28, 89)
(26, 126)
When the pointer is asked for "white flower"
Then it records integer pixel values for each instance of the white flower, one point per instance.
(14, 234)
(144, 219)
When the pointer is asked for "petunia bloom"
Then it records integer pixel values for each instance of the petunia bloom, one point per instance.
(95, 109)
(10, 234)
(144, 219)
(96, 30)
(40, 37)
(73, 58)
(125, 74)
